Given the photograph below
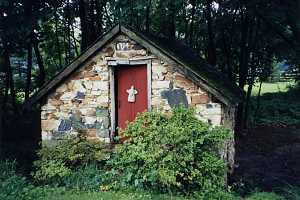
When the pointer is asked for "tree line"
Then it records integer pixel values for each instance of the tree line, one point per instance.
(238, 37)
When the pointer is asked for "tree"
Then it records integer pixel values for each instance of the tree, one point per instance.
(238, 38)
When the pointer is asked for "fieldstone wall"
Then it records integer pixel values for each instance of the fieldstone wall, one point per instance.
(82, 102)
(171, 88)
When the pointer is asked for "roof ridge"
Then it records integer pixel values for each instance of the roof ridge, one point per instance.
(189, 59)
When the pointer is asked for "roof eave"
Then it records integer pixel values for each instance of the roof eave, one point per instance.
(229, 100)
(75, 64)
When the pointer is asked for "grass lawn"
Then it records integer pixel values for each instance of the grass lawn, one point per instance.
(110, 196)
(124, 195)
(271, 87)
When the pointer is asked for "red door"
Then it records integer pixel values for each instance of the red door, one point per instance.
(131, 93)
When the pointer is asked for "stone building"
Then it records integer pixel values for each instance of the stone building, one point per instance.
(125, 72)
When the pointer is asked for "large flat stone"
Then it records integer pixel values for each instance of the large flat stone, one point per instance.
(101, 112)
(161, 85)
(68, 96)
(100, 85)
(65, 125)
(79, 95)
(89, 120)
(103, 122)
(78, 86)
(50, 124)
(102, 99)
(175, 97)
(200, 99)
(102, 133)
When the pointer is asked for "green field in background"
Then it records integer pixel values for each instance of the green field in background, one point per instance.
(271, 87)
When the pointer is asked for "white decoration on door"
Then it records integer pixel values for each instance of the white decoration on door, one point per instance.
(131, 94)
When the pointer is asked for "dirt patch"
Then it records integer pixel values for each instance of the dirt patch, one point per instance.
(269, 157)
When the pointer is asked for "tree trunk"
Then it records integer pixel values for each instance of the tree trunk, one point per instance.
(75, 42)
(137, 23)
(186, 22)
(99, 4)
(1, 133)
(244, 56)
(212, 57)
(148, 16)
(91, 24)
(5, 98)
(108, 17)
(243, 68)
(249, 92)
(65, 48)
(254, 63)
(228, 58)
(191, 35)
(29, 67)
(171, 20)
(9, 74)
(69, 21)
(42, 75)
(69, 46)
(293, 19)
(131, 14)
(258, 99)
(57, 40)
(83, 24)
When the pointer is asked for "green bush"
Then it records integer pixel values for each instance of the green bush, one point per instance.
(265, 196)
(14, 186)
(281, 108)
(84, 178)
(171, 153)
(60, 160)
(278, 111)
(52, 169)
(290, 192)
(11, 185)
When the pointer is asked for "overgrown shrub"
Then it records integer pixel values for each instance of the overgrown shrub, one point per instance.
(277, 111)
(265, 196)
(85, 178)
(14, 186)
(282, 108)
(59, 161)
(171, 153)
(10, 183)
(290, 192)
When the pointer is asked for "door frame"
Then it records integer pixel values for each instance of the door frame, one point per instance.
(113, 65)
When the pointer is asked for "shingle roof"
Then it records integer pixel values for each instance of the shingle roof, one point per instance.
(196, 68)
(187, 56)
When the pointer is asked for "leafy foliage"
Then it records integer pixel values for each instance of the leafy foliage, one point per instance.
(56, 161)
(265, 196)
(177, 152)
(84, 178)
(291, 192)
(14, 186)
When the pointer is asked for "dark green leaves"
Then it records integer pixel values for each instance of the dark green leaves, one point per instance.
(176, 152)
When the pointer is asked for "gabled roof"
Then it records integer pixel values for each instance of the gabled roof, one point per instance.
(167, 49)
